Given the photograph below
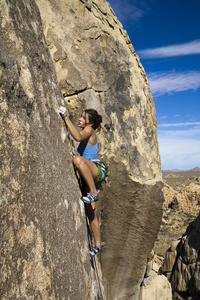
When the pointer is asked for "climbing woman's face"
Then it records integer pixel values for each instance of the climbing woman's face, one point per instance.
(83, 121)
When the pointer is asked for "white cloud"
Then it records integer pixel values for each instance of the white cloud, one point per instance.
(179, 149)
(184, 154)
(192, 133)
(163, 117)
(171, 82)
(189, 48)
(180, 124)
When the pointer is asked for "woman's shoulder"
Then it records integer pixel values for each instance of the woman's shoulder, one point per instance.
(88, 129)
(93, 138)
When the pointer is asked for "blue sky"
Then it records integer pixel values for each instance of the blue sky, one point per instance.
(166, 36)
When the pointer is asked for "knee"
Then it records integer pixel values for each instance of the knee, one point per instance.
(77, 161)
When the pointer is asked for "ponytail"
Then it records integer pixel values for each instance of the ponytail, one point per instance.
(94, 118)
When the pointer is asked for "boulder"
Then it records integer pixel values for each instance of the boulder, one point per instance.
(182, 269)
(185, 198)
(154, 285)
(158, 289)
(44, 243)
(97, 67)
(170, 257)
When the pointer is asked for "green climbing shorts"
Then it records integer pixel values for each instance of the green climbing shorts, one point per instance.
(100, 175)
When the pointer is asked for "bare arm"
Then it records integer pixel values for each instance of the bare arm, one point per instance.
(78, 136)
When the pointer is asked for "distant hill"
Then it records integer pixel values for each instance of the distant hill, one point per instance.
(172, 171)
(194, 170)
(171, 175)
(177, 177)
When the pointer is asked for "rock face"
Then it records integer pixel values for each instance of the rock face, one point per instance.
(159, 288)
(43, 237)
(44, 245)
(180, 208)
(154, 286)
(186, 198)
(182, 263)
(97, 67)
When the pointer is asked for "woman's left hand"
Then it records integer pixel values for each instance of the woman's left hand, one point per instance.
(63, 111)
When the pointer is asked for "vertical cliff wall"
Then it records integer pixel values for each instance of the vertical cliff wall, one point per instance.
(44, 243)
(97, 67)
(43, 250)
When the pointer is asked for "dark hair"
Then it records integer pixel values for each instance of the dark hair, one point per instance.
(94, 118)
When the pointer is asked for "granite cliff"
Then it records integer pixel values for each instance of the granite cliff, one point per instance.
(74, 53)
(42, 222)
(181, 265)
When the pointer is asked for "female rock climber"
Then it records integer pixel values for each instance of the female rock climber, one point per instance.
(91, 173)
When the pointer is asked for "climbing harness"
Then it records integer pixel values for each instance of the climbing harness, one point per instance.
(106, 170)
(93, 262)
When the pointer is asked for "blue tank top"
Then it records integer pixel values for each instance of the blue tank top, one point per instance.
(89, 152)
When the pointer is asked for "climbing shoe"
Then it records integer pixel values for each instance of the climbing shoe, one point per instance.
(96, 250)
(90, 198)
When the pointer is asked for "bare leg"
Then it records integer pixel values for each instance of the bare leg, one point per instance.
(87, 170)
(94, 224)
(93, 220)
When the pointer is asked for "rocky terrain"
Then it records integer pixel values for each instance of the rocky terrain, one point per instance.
(181, 206)
(182, 264)
(177, 248)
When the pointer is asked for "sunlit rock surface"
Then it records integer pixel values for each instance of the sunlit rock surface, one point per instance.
(43, 250)
(97, 67)
(44, 242)
(182, 266)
